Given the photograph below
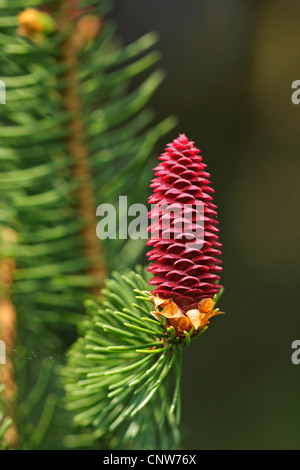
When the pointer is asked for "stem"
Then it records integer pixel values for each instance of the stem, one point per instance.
(176, 397)
(8, 334)
(77, 147)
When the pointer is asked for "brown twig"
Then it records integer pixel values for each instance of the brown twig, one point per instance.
(8, 335)
(77, 147)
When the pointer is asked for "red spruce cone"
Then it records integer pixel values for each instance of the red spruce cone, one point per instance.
(187, 274)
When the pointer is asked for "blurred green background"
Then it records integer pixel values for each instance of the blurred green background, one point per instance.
(230, 65)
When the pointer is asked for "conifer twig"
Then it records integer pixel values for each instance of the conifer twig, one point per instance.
(77, 147)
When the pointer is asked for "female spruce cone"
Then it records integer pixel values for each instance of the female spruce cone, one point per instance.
(184, 273)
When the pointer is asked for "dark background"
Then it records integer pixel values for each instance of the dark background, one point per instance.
(230, 65)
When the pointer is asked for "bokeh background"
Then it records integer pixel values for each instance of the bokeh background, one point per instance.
(229, 68)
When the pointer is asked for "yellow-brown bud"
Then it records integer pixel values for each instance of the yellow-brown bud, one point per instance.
(29, 22)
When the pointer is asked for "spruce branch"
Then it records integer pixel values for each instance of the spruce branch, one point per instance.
(119, 372)
(117, 375)
(117, 379)
(72, 135)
